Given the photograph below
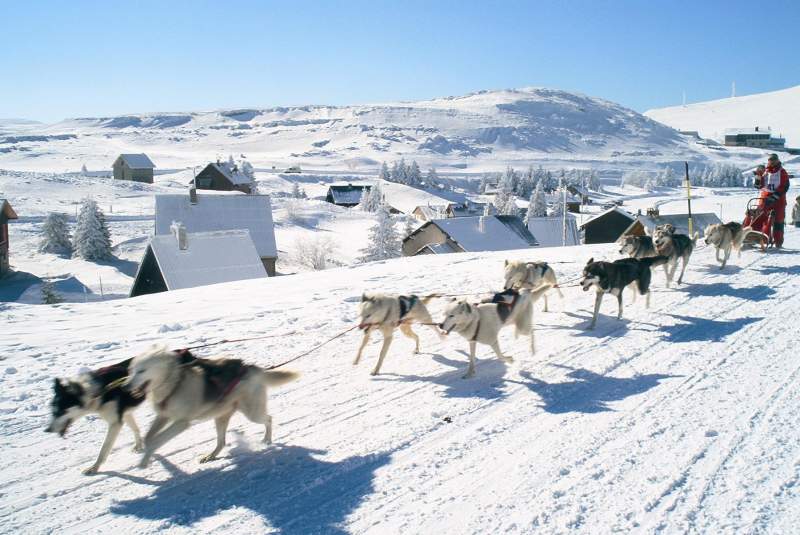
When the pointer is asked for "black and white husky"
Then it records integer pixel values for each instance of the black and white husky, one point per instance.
(675, 247)
(385, 313)
(481, 323)
(97, 392)
(729, 237)
(184, 389)
(531, 275)
(614, 277)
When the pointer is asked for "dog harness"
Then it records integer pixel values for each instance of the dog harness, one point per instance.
(406, 304)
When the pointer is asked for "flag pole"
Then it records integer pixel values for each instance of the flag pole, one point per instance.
(688, 185)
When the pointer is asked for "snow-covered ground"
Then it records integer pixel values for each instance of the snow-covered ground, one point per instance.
(680, 418)
(779, 110)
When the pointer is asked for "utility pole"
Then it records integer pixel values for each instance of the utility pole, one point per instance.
(564, 219)
(688, 185)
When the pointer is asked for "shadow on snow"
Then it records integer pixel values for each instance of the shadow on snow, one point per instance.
(692, 329)
(717, 289)
(290, 488)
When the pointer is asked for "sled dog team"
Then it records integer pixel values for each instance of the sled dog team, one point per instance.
(184, 388)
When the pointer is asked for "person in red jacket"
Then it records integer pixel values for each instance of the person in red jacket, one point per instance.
(775, 183)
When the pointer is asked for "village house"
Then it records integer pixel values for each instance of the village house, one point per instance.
(222, 176)
(402, 199)
(549, 231)
(187, 260)
(607, 226)
(135, 167)
(6, 213)
(753, 137)
(466, 209)
(645, 224)
(347, 195)
(469, 234)
(218, 211)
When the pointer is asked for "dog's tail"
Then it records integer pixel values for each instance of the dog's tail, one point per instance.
(695, 237)
(428, 298)
(278, 377)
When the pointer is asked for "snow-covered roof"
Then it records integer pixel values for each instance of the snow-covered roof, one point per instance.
(605, 212)
(437, 248)
(220, 212)
(747, 131)
(210, 258)
(137, 161)
(548, 231)
(347, 193)
(679, 221)
(405, 198)
(5, 208)
(233, 174)
(487, 233)
(468, 209)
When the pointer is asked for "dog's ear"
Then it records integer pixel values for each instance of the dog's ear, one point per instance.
(57, 385)
(590, 261)
(506, 263)
(364, 297)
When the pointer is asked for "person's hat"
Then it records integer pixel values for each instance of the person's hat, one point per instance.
(773, 158)
(760, 167)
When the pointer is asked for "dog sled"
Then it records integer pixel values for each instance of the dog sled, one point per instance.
(756, 213)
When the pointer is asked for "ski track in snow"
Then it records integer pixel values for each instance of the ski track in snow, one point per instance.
(680, 418)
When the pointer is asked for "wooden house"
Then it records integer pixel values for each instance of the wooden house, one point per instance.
(347, 195)
(135, 167)
(216, 211)
(222, 176)
(6, 213)
(607, 226)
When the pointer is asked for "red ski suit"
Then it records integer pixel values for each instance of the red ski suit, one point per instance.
(774, 182)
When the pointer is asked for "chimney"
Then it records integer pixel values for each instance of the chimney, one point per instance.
(179, 230)
(193, 195)
(482, 224)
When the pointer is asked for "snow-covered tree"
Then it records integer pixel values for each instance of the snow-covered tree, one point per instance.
(84, 171)
(409, 227)
(55, 235)
(432, 179)
(394, 175)
(372, 199)
(537, 207)
(593, 182)
(247, 170)
(49, 294)
(484, 183)
(92, 240)
(558, 204)
(298, 192)
(414, 175)
(383, 239)
(384, 173)
(314, 253)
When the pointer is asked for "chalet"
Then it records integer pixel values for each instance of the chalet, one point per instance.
(402, 199)
(607, 226)
(222, 176)
(211, 212)
(135, 167)
(469, 234)
(347, 195)
(187, 260)
(549, 231)
(429, 213)
(6, 213)
(753, 137)
(647, 223)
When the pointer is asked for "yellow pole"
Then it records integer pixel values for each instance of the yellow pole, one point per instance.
(689, 198)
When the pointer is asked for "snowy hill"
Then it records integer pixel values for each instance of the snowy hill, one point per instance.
(680, 418)
(779, 110)
(488, 128)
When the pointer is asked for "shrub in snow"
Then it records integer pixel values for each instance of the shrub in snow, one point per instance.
(383, 239)
(49, 294)
(92, 240)
(537, 207)
(298, 192)
(314, 253)
(55, 235)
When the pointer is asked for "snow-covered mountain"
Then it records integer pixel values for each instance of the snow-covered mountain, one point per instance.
(489, 128)
(779, 110)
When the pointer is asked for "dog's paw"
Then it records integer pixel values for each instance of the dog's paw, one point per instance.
(92, 470)
(207, 458)
(138, 448)
(144, 463)
(508, 360)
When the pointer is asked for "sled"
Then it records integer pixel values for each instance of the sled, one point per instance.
(755, 212)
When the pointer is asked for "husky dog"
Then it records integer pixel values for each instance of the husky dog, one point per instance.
(675, 247)
(614, 277)
(727, 237)
(96, 392)
(385, 313)
(184, 388)
(531, 275)
(638, 247)
(481, 323)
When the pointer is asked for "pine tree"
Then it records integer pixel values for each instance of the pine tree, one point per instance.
(383, 239)
(510, 206)
(49, 294)
(402, 172)
(537, 207)
(395, 173)
(558, 205)
(372, 199)
(92, 240)
(432, 179)
(55, 235)
(384, 173)
(414, 176)
(84, 171)
(247, 170)
(594, 181)
(297, 193)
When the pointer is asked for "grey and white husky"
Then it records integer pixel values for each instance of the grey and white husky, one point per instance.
(532, 276)
(385, 313)
(638, 247)
(97, 392)
(614, 277)
(675, 247)
(482, 322)
(729, 237)
(184, 389)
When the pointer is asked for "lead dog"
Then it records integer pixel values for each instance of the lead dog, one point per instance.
(96, 392)
(614, 277)
(385, 313)
(727, 237)
(184, 389)
(481, 323)
(531, 275)
(675, 247)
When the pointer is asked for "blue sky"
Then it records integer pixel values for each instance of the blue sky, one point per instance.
(94, 58)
